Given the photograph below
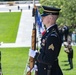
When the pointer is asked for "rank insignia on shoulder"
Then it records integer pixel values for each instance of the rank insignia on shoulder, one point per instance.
(51, 47)
(54, 33)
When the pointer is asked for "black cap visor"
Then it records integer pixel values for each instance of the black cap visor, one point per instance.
(46, 14)
(43, 15)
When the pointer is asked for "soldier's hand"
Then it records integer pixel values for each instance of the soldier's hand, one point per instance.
(32, 53)
(33, 69)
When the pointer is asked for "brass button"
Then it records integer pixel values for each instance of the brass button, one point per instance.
(44, 68)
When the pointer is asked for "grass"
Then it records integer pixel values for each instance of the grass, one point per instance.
(9, 23)
(14, 61)
(64, 64)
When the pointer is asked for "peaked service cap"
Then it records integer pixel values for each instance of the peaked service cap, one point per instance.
(47, 10)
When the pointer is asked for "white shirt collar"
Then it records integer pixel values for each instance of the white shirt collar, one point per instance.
(50, 26)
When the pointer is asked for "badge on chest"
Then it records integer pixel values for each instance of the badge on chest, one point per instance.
(43, 42)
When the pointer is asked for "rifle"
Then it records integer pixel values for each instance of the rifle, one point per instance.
(33, 44)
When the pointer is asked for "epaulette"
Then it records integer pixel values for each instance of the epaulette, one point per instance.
(54, 33)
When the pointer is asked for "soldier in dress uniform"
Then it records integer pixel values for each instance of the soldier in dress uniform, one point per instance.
(70, 55)
(69, 50)
(66, 32)
(50, 44)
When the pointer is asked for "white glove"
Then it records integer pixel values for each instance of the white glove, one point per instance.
(28, 69)
(65, 43)
(33, 69)
(32, 53)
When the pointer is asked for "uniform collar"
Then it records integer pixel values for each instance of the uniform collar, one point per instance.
(51, 27)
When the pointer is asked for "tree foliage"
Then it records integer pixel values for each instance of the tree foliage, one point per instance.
(67, 13)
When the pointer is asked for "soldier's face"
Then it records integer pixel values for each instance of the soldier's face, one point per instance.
(45, 20)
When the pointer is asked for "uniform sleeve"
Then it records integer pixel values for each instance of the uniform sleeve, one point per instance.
(52, 49)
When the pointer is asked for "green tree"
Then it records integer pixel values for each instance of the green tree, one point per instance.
(67, 13)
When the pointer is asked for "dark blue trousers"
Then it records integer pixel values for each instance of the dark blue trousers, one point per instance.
(55, 69)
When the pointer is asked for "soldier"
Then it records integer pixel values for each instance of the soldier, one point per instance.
(18, 7)
(66, 32)
(69, 50)
(28, 6)
(70, 54)
(50, 44)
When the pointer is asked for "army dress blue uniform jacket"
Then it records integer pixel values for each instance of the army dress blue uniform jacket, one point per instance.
(49, 51)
